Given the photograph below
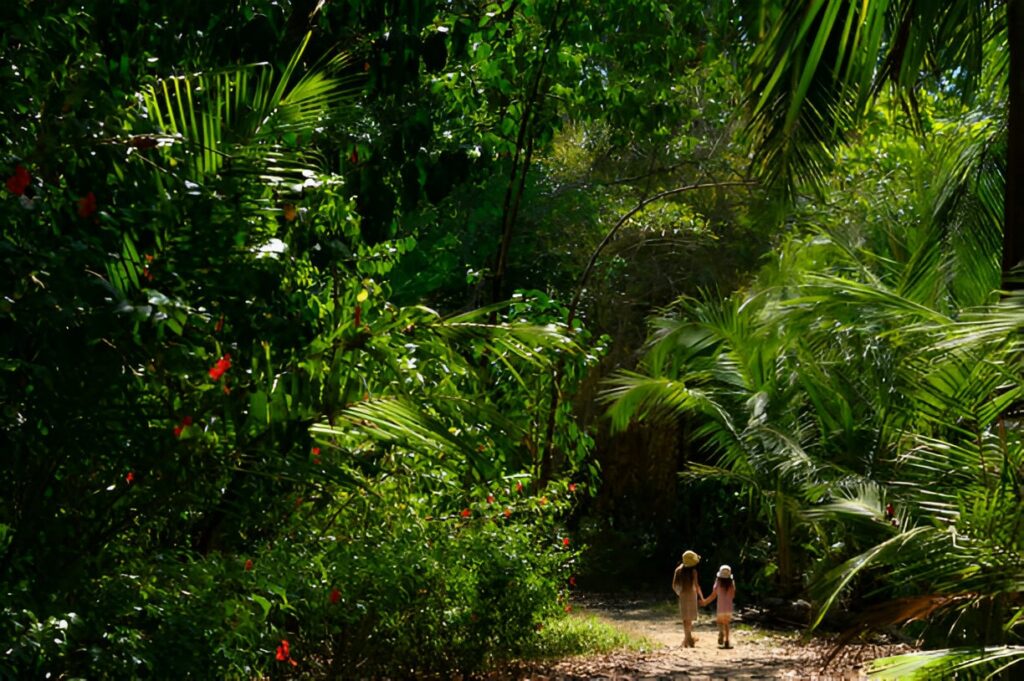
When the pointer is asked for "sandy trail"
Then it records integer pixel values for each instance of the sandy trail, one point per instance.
(757, 653)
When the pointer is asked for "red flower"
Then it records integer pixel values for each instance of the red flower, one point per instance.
(19, 181)
(316, 455)
(508, 512)
(87, 205)
(565, 541)
(490, 498)
(222, 365)
(889, 511)
(283, 653)
(572, 580)
(572, 486)
(130, 478)
(335, 595)
(568, 608)
(465, 513)
(180, 428)
(248, 564)
(519, 486)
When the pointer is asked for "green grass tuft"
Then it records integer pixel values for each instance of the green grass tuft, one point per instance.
(582, 635)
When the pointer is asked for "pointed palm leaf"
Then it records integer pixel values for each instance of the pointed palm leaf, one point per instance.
(243, 118)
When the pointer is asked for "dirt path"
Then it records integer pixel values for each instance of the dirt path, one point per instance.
(757, 653)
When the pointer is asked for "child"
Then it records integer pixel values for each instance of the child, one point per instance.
(725, 589)
(687, 586)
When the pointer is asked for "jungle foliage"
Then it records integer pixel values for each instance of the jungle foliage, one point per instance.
(311, 314)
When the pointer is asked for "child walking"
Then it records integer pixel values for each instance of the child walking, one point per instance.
(724, 591)
(687, 586)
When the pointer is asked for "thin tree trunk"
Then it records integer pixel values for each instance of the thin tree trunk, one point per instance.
(517, 177)
(1013, 204)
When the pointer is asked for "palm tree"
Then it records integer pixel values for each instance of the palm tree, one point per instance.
(818, 65)
(871, 365)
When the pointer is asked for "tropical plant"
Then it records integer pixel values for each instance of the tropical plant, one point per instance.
(866, 381)
(817, 68)
(189, 296)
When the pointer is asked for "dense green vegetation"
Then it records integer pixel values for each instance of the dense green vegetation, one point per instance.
(348, 337)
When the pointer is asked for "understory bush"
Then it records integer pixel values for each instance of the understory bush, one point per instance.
(386, 588)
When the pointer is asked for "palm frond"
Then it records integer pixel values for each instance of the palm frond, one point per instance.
(635, 396)
(836, 580)
(947, 663)
(242, 118)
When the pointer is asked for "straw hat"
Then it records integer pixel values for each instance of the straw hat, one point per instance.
(724, 572)
(690, 558)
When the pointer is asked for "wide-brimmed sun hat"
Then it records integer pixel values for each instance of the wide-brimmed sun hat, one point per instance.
(690, 558)
(725, 572)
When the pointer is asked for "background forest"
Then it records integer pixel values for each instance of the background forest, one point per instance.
(351, 336)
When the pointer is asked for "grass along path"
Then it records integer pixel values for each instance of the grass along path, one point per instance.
(757, 653)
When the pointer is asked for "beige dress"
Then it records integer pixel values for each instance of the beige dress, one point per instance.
(687, 596)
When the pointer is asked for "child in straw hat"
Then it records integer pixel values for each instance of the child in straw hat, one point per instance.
(724, 590)
(687, 586)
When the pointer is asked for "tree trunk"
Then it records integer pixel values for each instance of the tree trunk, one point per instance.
(1013, 204)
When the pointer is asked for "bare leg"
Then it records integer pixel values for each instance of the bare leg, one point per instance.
(725, 629)
(688, 633)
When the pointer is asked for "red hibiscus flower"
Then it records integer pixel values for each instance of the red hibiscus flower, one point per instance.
(222, 365)
(87, 205)
(572, 486)
(284, 655)
(490, 498)
(248, 564)
(465, 513)
(565, 541)
(130, 478)
(335, 595)
(19, 181)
